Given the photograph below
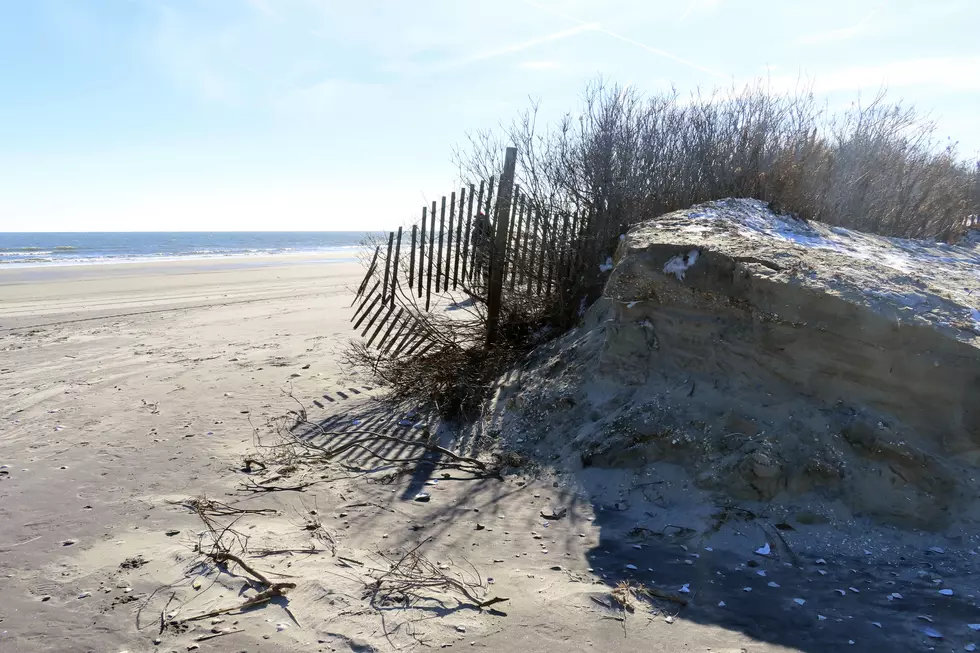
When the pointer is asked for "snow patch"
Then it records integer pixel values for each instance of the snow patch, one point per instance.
(680, 264)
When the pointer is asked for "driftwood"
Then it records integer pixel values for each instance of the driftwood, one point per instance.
(221, 555)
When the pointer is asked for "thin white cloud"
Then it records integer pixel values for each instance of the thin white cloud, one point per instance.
(843, 33)
(663, 53)
(526, 45)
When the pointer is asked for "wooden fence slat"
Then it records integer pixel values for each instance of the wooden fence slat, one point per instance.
(442, 232)
(514, 239)
(391, 241)
(391, 326)
(479, 208)
(535, 226)
(449, 241)
(459, 235)
(551, 251)
(587, 242)
(574, 239)
(466, 235)
(398, 334)
(530, 238)
(432, 242)
(422, 337)
(489, 212)
(521, 246)
(498, 255)
(591, 242)
(483, 260)
(421, 252)
(394, 267)
(367, 277)
(425, 350)
(411, 258)
(563, 239)
(522, 241)
(367, 298)
(507, 260)
(377, 314)
(381, 324)
(413, 326)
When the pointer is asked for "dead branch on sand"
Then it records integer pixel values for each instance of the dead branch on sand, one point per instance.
(203, 504)
(219, 551)
(407, 577)
(261, 486)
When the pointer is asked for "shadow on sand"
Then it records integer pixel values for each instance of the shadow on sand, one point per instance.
(785, 598)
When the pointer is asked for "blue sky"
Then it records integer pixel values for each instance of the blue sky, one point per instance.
(314, 114)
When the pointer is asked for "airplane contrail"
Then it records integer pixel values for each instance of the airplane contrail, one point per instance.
(626, 39)
(517, 47)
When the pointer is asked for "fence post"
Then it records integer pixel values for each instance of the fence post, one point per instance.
(498, 254)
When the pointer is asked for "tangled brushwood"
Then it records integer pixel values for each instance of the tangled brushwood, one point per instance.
(454, 367)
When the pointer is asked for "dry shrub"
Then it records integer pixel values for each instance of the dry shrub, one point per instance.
(626, 157)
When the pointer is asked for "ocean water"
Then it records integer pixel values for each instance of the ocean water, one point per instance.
(41, 249)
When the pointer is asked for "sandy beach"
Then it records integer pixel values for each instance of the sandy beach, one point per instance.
(125, 386)
(130, 392)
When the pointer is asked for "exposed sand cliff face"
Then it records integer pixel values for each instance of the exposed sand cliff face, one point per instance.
(773, 359)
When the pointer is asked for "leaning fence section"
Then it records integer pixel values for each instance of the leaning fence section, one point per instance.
(482, 243)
